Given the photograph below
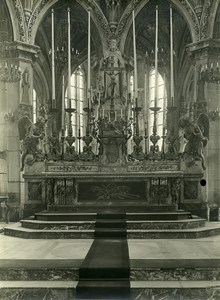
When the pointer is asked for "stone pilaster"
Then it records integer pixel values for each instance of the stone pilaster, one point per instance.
(13, 96)
(206, 54)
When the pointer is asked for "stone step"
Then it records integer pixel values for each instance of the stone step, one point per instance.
(94, 206)
(142, 290)
(74, 216)
(193, 233)
(166, 269)
(110, 233)
(136, 224)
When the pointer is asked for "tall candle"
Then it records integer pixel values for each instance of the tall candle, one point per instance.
(171, 56)
(63, 107)
(53, 60)
(89, 54)
(164, 101)
(69, 61)
(156, 59)
(195, 83)
(135, 59)
(79, 125)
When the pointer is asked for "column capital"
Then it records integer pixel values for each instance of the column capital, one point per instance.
(204, 51)
(19, 51)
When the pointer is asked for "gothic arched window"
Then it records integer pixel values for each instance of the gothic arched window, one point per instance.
(77, 98)
(161, 102)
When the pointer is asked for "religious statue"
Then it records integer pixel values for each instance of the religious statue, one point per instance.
(111, 73)
(54, 147)
(175, 190)
(196, 133)
(173, 145)
(87, 154)
(31, 134)
(137, 153)
(70, 150)
(25, 86)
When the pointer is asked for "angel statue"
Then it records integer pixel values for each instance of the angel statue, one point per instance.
(30, 136)
(196, 134)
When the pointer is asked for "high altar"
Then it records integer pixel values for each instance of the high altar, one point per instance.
(116, 164)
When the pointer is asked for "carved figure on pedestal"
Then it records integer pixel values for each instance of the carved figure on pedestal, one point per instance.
(87, 154)
(138, 153)
(70, 150)
(54, 147)
(196, 133)
(173, 146)
(30, 135)
(175, 190)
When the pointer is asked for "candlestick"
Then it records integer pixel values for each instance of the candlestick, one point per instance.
(121, 114)
(156, 59)
(171, 56)
(135, 59)
(63, 107)
(53, 60)
(89, 54)
(69, 61)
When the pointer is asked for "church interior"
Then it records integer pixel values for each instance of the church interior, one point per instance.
(109, 149)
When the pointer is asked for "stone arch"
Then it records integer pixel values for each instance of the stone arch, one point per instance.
(43, 6)
(209, 15)
(17, 20)
(184, 7)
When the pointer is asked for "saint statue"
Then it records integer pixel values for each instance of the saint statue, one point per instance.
(112, 72)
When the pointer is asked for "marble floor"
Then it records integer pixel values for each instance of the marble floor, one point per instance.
(12, 248)
(160, 268)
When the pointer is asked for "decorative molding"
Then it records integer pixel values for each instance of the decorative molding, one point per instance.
(153, 167)
(72, 168)
(34, 16)
(102, 21)
(193, 16)
(205, 19)
(21, 19)
(35, 191)
(125, 17)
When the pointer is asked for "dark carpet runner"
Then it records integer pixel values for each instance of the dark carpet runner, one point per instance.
(105, 271)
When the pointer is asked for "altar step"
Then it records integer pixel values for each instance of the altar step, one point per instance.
(94, 207)
(17, 230)
(130, 224)
(88, 216)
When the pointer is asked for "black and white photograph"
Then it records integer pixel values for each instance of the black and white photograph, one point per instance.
(110, 149)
